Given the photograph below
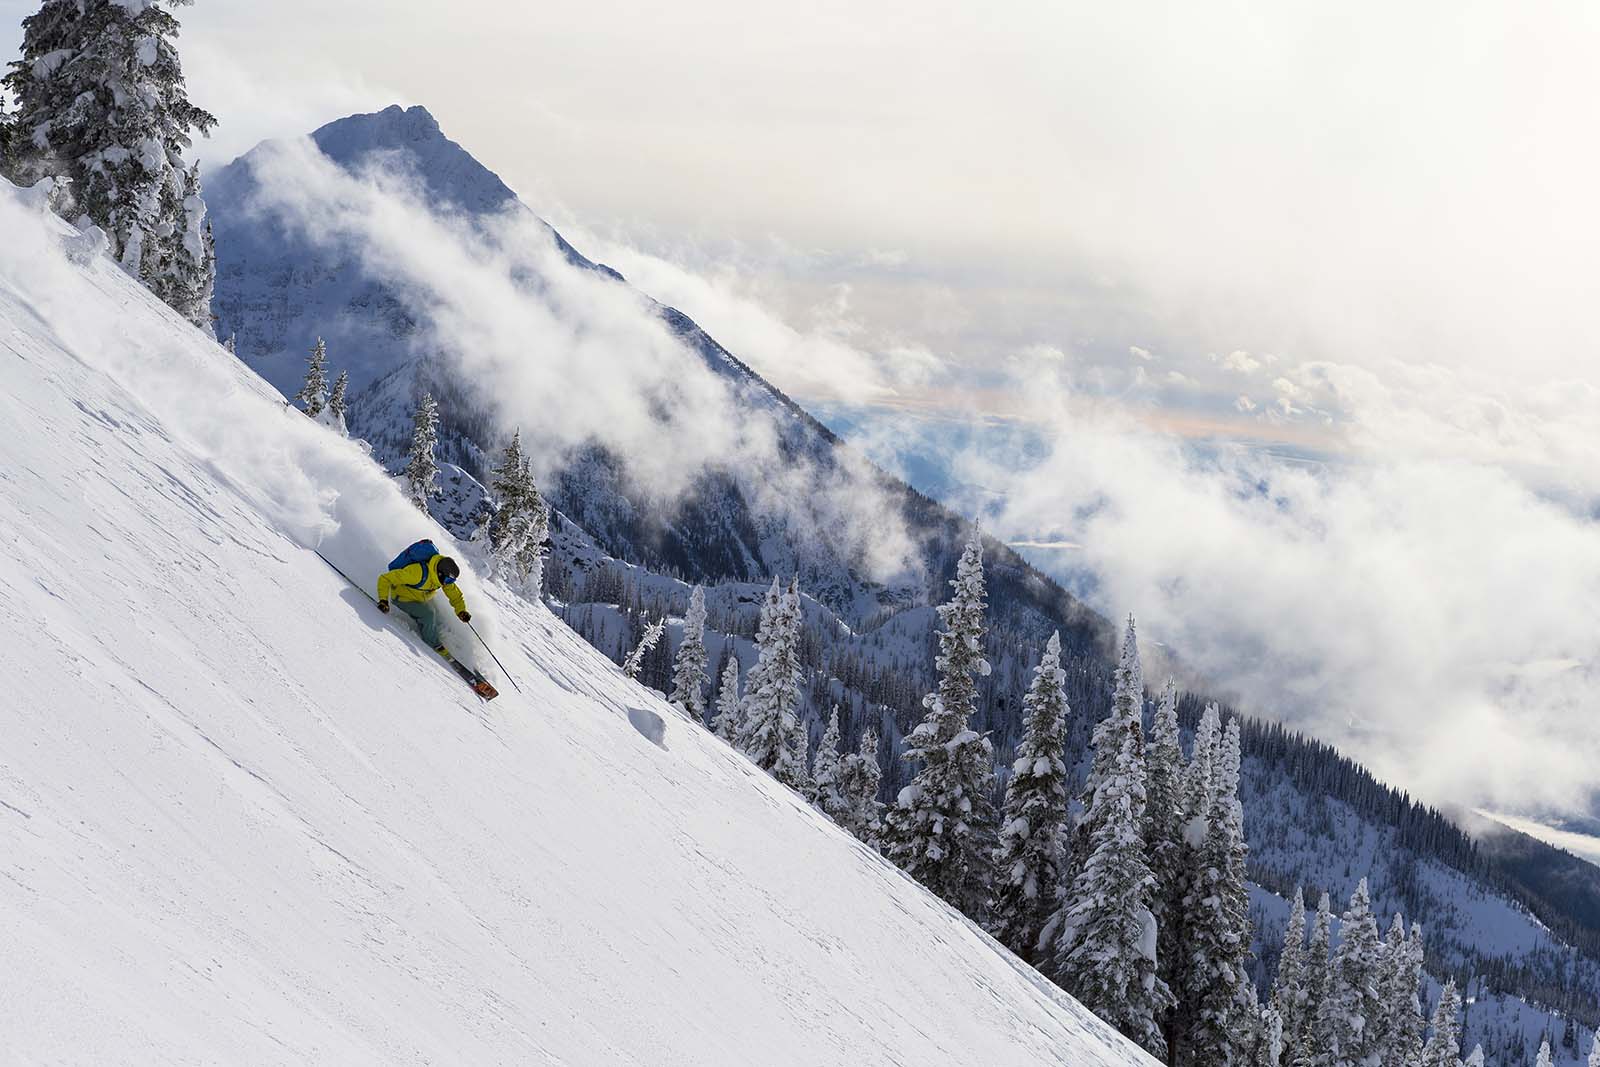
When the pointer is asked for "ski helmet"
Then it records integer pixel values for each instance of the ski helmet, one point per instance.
(448, 568)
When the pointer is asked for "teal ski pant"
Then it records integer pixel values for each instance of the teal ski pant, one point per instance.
(421, 612)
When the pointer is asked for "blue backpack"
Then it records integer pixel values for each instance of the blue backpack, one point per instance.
(421, 552)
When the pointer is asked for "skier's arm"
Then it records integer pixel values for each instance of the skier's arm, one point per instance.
(385, 581)
(452, 593)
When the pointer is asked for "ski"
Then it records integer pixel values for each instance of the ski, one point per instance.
(478, 682)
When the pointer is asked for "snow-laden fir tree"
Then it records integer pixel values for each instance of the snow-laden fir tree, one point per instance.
(518, 528)
(1029, 863)
(752, 680)
(859, 779)
(1401, 1029)
(1163, 829)
(1104, 935)
(1594, 1051)
(1350, 1018)
(725, 724)
(102, 110)
(1289, 989)
(942, 828)
(689, 669)
(1475, 1059)
(1444, 1043)
(647, 641)
(1215, 943)
(1308, 1049)
(338, 402)
(188, 271)
(1545, 1057)
(825, 790)
(774, 736)
(421, 472)
(1269, 1042)
(313, 395)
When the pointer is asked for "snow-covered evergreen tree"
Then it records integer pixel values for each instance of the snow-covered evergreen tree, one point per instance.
(517, 529)
(942, 827)
(774, 736)
(825, 790)
(1309, 1047)
(1104, 935)
(1351, 1015)
(725, 724)
(313, 395)
(1400, 1041)
(1029, 863)
(1545, 1058)
(1216, 928)
(1444, 1044)
(859, 779)
(689, 669)
(1594, 1051)
(421, 472)
(1476, 1058)
(102, 109)
(1269, 1043)
(338, 402)
(1163, 829)
(1289, 990)
(647, 641)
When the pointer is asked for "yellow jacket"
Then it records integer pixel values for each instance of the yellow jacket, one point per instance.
(419, 581)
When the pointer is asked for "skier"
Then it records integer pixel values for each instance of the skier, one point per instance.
(414, 576)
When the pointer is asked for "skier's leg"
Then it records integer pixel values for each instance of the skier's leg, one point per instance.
(421, 613)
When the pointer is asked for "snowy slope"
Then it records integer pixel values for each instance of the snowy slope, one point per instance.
(244, 820)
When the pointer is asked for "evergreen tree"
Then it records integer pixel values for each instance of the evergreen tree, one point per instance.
(825, 790)
(1104, 935)
(1289, 990)
(1351, 1015)
(1594, 1051)
(726, 722)
(1444, 1044)
(1476, 1059)
(774, 736)
(1163, 830)
(337, 403)
(102, 109)
(859, 778)
(517, 529)
(422, 470)
(647, 641)
(1216, 928)
(752, 681)
(1309, 1048)
(942, 827)
(1270, 1044)
(314, 393)
(1029, 862)
(1401, 1036)
(689, 669)
(187, 272)
(1545, 1059)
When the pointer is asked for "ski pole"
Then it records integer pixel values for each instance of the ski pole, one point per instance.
(496, 659)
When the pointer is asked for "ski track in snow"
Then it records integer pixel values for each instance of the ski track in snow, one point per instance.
(243, 819)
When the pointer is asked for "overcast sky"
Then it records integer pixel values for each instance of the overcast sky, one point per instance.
(1364, 232)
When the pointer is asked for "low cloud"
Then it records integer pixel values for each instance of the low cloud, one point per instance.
(571, 357)
(1430, 601)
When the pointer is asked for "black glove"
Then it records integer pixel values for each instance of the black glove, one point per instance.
(464, 616)
(383, 606)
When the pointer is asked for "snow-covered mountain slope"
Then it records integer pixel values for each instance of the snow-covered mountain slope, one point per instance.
(244, 819)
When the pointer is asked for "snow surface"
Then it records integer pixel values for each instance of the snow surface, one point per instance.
(244, 819)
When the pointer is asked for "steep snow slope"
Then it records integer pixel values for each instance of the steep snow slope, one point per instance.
(244, 819)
